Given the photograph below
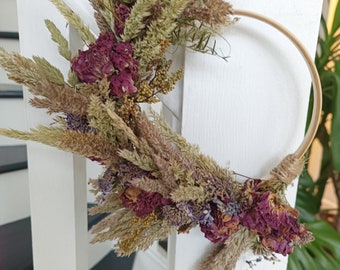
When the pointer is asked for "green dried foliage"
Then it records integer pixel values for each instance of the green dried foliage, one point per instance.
(200, 22)
(46, 135)
(59, 99)
(112, 203)
(132, 232)
(167, 173)
(145, 237)
(159, 30)
(75, 21)
(121, 125)
(106, 10)
(113, 226)
(147, 130)
(72, 78)
(28, 72)
(89, 145)
(102, 122)
(182, 173)
(181, 143)
(135, 23)
(142, 161)
(189, 193)
(99, 89)
(197, 37)
(86, 144)
(190, 151)
(52, 73)
(151, 185)
(100, 20)
(57, 37)
(20, 69)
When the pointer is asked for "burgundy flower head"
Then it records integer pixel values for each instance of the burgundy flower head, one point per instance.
(275, 221)
(143, 203)
(108, 59)
(221, 227)
(122, 13)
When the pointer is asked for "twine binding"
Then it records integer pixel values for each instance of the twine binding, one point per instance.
(288, 169)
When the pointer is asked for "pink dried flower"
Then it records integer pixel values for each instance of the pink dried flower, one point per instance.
(275, 222)
(122, 84)
(95, 63)
(143, 203)
(122, 13)
(108, 59)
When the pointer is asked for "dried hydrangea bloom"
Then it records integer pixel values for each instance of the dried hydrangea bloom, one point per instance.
(108, 59)
(122, 13)
(143, 203)
(274, 220)
(221, 227)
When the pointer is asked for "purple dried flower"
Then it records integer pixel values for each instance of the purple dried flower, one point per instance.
(143, 203)
(122, 84)
(122, 13)
(228, 206)
(95, 63)
(275, 221)
(177, 215)
(281, 246)
(222, 226)
(108, 59)
(107, 181)
(206, 218)
(78, 123)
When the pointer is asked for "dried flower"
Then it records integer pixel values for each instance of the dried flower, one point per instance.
(274, 220)
(107, 181)
(143, 203)
(108, 59)
(78, 123)
(222, 226)
(122, 13)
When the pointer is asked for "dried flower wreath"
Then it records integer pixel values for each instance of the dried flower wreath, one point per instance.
(155, 182)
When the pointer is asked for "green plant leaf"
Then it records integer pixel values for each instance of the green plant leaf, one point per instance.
(322, 253)
(336, 22)
(326, 236)
(306, 202)
(335, 130)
